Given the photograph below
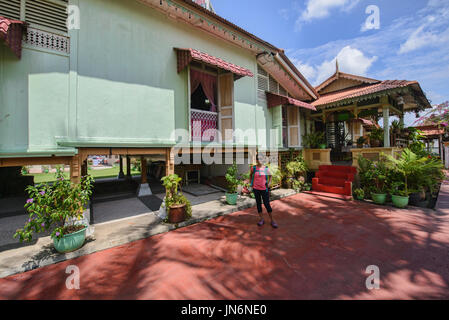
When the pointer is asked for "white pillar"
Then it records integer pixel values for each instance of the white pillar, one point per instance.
(386, 114)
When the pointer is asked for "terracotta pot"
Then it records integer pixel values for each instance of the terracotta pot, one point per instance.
(177, 213)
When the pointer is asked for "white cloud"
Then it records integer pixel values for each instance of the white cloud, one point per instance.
(321, 8)
(429, 66)
(350, 60)
(421, 38)
(308, 71)
(318, 9)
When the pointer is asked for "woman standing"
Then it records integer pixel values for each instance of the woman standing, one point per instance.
(260, 182)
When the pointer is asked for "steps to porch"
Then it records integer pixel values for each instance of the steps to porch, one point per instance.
(334, 179)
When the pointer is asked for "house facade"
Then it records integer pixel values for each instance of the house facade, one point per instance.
(96, 77)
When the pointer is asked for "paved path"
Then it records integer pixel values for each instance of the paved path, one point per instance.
(320, 251)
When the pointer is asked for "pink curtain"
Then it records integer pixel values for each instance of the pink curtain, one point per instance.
(209, 84)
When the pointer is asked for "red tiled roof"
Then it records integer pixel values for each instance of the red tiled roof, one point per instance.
(431, 130)
(361, 91)
(185, 56)
(277, 99)
(367, 123)
(11, 34)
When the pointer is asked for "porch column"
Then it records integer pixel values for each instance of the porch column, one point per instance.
(121, 175)
(75, 169)
(386, 114)
(84, 168)
(144, 188)
(128, 168)
(169, 162)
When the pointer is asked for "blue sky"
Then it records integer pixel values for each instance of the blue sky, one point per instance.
(412, 42)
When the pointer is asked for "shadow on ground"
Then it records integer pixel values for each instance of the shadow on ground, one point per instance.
(320, 251)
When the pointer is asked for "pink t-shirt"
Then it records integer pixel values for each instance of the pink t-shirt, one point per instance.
(260, 179)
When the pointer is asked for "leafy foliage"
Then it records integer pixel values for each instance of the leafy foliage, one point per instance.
(377, 134)
(276, 174)
(232, 179)
(55, 206)
(172, 196)
(313, 140)
(360, 194)
(416, 172)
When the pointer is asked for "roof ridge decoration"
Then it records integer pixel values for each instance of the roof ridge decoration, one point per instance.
(338, 74)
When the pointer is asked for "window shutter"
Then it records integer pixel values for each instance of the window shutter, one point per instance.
(10, 9)
(226, 92)
(47, 14)
(276, 115)
(273, 86)
(262, 83)
(261, 71)
(293, 126)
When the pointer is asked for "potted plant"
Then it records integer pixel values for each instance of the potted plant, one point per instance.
(399, 195)
(178, 207)
(58, 208)
(376, 137)
(307, 186)
(379, 174)
(314, 140)
(359, 194)
(396, 127)
(233, 183)
(361, 141)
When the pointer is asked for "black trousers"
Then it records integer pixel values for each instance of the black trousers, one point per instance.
(262, 195)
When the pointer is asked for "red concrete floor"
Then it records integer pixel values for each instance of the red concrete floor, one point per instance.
(320, 251)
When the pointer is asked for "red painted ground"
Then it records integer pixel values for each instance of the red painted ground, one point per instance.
(320, 251)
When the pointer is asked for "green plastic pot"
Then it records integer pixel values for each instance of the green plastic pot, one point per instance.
(322, 146)
(359, 197)
(231, 198)
(399, 201)
(70, 242)
(379, 198)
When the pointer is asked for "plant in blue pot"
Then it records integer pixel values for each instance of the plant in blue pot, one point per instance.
(58, 208)
(379, 174)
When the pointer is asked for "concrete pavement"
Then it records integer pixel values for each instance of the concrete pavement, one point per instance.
(320, 251)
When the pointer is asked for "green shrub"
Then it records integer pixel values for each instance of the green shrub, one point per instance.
(54, 206)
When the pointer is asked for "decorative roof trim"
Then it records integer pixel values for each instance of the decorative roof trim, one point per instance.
(338, 74)
(274, 100)
(185, 56)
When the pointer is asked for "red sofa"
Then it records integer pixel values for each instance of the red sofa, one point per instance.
(334, 179)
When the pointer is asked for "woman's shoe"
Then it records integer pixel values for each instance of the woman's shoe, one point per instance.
(261, 223)
(274, 225)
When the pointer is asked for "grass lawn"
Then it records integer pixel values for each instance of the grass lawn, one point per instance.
(104, 173)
